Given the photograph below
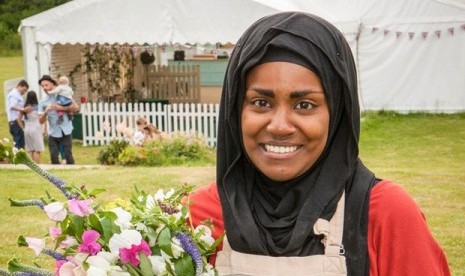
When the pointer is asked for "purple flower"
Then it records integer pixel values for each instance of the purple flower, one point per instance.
(21, 157)
(192, 250)
(30, 202)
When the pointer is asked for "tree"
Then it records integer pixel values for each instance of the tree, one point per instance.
(11, 14)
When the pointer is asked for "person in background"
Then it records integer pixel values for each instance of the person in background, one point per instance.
(59, 131)
(15, 105)
(291, 194)
(29, 122)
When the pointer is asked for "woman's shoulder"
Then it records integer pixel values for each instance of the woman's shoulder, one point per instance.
(389, 199)
(399, 241)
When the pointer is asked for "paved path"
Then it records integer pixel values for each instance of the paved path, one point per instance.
(51, 167)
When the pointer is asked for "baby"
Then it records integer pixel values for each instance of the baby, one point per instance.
(64, 94)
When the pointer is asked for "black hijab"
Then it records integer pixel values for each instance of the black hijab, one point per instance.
(263, 216)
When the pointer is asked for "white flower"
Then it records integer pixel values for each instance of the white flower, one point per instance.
(55, 211)
(160, 195)
(158, 265)
(6, 140)
(35, 244)
(124, 240)
(123, 219)
(176, 247)
(99, 266)
(141, 227)
(151, 201)
(209, 270)
(7, 153)
(68, 242)
(206, 234)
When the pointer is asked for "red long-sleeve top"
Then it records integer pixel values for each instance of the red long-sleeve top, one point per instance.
(399, 241)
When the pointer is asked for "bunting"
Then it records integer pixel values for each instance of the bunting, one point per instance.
(438, 34)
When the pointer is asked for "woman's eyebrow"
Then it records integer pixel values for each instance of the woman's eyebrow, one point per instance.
(294, 95)
(264, 92)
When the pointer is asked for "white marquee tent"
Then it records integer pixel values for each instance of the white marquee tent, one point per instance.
(410, 53)
(133, 22)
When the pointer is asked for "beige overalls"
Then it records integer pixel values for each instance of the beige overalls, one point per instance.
(332, 263)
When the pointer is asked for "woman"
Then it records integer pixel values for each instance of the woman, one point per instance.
(292, 195)
(33, 131)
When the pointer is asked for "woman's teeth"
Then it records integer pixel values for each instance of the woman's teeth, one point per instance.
(280, 149)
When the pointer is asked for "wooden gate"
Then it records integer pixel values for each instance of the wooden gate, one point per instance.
(175, 83)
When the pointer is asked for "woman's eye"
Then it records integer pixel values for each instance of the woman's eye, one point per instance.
(261, 103)
(304, 105)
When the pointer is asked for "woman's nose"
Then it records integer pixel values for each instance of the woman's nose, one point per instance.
(280, 123)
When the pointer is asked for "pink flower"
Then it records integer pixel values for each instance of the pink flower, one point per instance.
(80, 208)
(58, 265)
(131, 255)
(89, 242)
(54, 232)
(68, 242)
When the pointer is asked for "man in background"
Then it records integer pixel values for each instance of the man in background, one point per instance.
(59, 131)
(14, 105)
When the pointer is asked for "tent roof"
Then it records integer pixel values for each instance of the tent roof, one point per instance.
(145, 21)
(401, 14)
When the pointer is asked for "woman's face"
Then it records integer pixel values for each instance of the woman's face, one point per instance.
(285, 119)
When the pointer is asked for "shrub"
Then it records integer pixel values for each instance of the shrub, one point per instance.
(172, 150)
(110, 153)
(6, 151)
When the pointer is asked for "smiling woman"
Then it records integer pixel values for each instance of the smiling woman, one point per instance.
(285, 119)
(292, 195)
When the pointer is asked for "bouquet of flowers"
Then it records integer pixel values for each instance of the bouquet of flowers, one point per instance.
(150, 235)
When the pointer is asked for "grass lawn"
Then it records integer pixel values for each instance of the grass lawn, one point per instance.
(423, 153)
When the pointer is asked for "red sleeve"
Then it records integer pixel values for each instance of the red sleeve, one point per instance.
(205, 204)
(399, 241)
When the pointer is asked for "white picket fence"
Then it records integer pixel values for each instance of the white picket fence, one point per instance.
(169, 118)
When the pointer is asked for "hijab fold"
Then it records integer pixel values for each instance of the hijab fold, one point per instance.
(266, 217)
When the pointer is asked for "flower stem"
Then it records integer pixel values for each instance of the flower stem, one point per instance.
(21, 157)
(15, 266)
(30, 202)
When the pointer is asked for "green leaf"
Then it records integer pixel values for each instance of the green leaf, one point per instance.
(164, 240)
(108, 228)
(78, 224)
(95, 223)
(184, 265)
(97, 191)
(22, 241)
(145, 265)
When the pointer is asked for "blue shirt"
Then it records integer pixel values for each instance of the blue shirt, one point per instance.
(14, 99)
(55, 128)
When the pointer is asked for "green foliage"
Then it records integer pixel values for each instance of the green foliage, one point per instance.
(11, 14)
(109, 154)
(6, 151)
(176, 150)
(132, 156)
